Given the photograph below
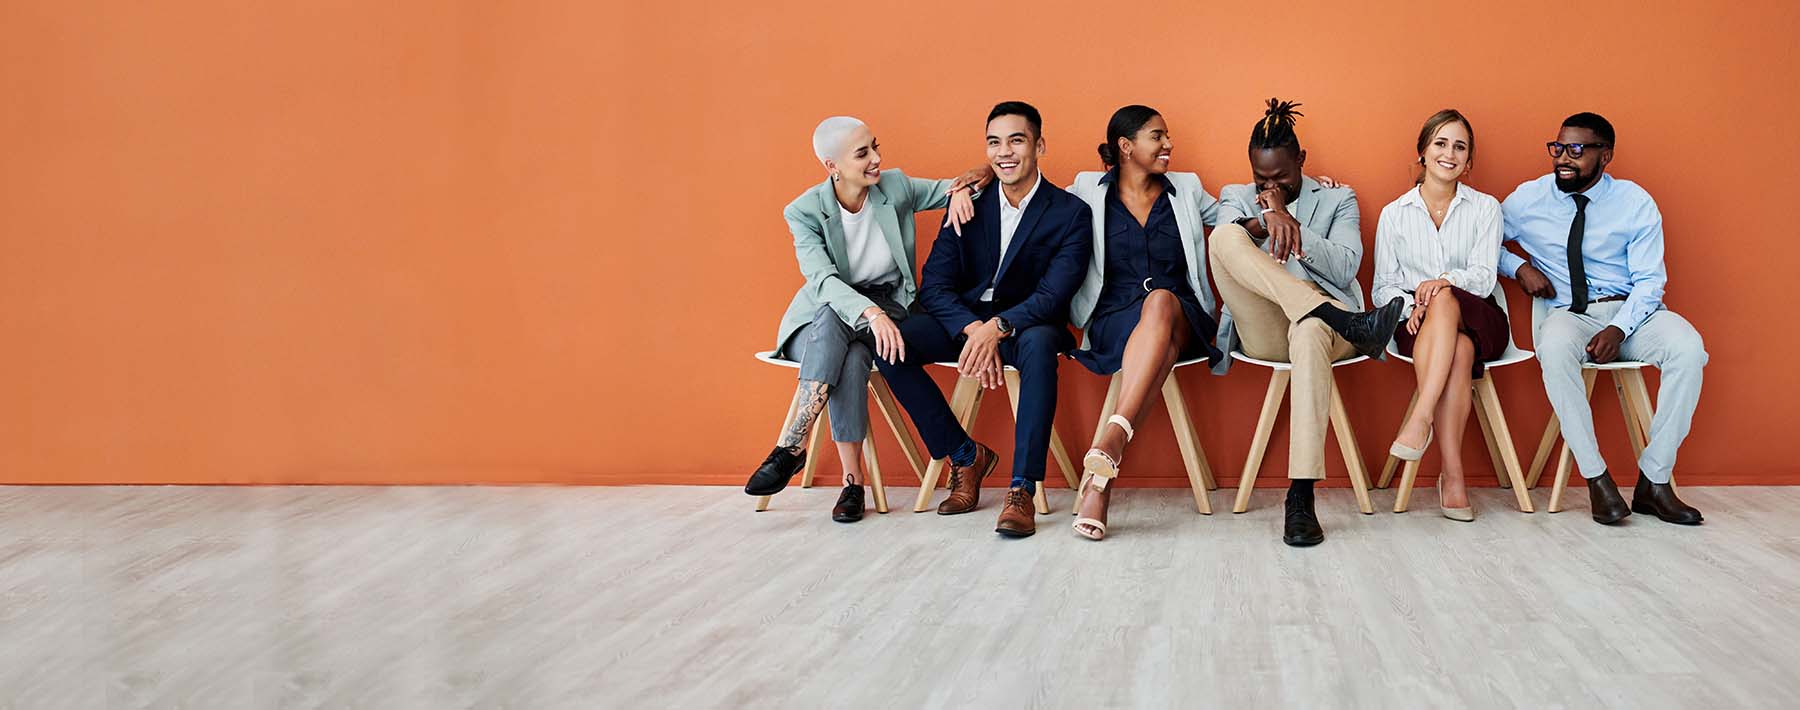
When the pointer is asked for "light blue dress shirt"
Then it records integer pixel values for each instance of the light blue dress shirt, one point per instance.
(1621, 243)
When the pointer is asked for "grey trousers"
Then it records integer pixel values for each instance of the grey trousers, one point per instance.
(839, 356)
(1666, 341)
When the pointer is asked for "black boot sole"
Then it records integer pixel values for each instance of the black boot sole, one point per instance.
(1648, 509)
(1302, 541)
(846, 518)
(1612, 521)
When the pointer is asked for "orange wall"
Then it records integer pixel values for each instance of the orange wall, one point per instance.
(438, 242)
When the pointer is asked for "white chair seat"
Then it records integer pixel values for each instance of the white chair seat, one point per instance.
(768, 356)
(1283, 366)
(1512, 356)
(1615, 365)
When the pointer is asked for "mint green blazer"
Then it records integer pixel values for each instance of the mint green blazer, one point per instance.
(814, 219)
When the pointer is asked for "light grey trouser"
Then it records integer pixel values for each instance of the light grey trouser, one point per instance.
(839, 356)
(1666, 341)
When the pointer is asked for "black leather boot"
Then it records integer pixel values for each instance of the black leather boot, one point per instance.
(1603, 496)
(1659, 499)
(1369, 331)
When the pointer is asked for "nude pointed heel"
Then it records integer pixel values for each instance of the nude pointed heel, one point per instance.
(1463, 515)
(1408, 453)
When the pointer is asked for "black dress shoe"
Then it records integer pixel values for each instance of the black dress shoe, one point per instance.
(1603, 496)
(775, 472)
(1370, 331)
(1302, 528)
(849, 508)
(1659, 499)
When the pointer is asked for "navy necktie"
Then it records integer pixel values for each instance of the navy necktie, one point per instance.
(1578, 287)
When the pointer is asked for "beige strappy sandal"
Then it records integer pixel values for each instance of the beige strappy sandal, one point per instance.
(1100, 469)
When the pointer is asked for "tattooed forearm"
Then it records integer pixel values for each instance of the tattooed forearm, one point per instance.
(809, 399)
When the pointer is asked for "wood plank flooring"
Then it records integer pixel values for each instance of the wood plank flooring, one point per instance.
(682, 597)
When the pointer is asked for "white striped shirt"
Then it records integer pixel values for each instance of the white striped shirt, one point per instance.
(1410, 249)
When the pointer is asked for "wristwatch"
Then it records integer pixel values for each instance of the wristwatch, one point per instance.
(1006, 329)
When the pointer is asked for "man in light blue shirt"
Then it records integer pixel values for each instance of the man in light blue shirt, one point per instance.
(1596, 271)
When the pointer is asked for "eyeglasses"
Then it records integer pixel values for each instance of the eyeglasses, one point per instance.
(1575, 149)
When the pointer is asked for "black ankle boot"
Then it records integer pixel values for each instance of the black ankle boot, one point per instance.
(1659, 499)
(775, 472)
(849, 508)
(1603, 497)
(1302, 527)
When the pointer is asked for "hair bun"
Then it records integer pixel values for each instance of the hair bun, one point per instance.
(1109, 155)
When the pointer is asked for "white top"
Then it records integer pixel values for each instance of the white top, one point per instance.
(871, 261)
(1410, 249)
(1009, 223)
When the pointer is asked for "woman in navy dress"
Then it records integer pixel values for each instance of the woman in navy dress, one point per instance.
(1146, 303)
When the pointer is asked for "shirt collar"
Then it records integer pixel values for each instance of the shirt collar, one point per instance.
(1168, 185)
(1024, 202)
(1594, 194)
(1416, 196)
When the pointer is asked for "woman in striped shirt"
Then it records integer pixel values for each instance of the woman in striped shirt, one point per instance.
(1437, 247)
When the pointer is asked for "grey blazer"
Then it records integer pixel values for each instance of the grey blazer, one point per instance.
(1330, 233)
(819, 246)
(1194, 208)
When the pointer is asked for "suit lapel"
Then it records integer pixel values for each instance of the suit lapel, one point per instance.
(1308, 204)
(834, 226)
(1027, 224)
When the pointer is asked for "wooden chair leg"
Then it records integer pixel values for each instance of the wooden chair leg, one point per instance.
(1645, 409)
(1487, 437)
(1627, 412)
(1265, 424)
(1567, 459)
(1403, 495)
(1546, 446)
(962, 401)
(872, 463)
(1060, 455)
(1193, 457)
(762, 502)
(1489, 400)
(1563, 463)
(1393, 462)
(812, 447)
(1353, 463)
(890, 410)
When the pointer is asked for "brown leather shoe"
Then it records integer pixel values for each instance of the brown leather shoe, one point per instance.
(1017, 517)
(965, 482)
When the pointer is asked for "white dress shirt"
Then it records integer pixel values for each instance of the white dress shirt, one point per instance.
(871, 261)
(1009, 223)
(1410, 249)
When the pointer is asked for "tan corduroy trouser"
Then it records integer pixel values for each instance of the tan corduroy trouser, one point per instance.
(1268, 308)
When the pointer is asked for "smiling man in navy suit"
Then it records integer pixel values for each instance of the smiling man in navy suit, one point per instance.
(998, 295)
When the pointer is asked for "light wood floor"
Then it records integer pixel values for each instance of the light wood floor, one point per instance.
(673, 597)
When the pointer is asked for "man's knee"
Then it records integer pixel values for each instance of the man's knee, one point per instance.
(1560, 343)
(1227, 239)
(1037, 345)
(1309, 340)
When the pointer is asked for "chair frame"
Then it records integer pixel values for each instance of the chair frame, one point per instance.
(1338, 426)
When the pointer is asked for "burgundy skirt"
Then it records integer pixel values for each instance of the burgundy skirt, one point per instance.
(1482, 321)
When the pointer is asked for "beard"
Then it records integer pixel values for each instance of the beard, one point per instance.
(1575, 183)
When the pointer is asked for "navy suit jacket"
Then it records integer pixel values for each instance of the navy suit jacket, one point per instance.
(1038, 275)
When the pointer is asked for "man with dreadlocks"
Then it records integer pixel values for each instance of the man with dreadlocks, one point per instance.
(1285, 258)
